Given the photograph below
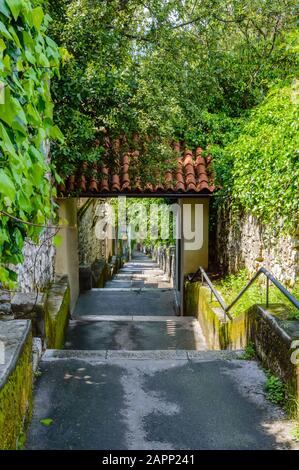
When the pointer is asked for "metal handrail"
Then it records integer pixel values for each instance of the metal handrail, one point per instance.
(227, 308)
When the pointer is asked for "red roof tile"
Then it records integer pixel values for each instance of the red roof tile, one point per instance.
(190, 174)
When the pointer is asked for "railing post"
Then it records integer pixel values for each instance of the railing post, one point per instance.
(267, 292)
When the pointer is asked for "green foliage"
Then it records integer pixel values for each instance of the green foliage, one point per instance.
(275, 389)
(170, 70)
(28, 59)
(249, 352)
(296, 432)
(260, 169)
(293, 314)
(232, 284)
(47, 421)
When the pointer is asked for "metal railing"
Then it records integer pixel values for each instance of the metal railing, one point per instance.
(227, 308)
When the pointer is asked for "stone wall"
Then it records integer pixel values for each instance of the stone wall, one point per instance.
(272, 335)
(246, 243)
(165, 257)
(37, 271)
(90, 247)
(15, 382)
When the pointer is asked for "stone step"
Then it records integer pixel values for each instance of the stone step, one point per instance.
(162, 318)
(130, 289)
(108, 354)
(126, 302)
(134, 335)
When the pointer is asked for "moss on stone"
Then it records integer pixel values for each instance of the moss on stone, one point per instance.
(271, 339)
(218, 333)
(57, 316)
(16, 400)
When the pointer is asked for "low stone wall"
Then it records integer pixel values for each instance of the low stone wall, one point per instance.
(243, 242)
(165, 257)
(96, 274)
(48, 312)
(219, 334)
(273, 338)
(271, 334)
(15, 381)
(57, 313)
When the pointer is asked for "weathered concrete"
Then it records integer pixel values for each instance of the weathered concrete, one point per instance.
(136, 381)
(106, 302)
(122, 403)
(135, 335)
(139, 288)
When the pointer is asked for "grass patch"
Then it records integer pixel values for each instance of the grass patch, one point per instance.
(275, 390)
(249, 352)
(296, 432)
(232, 284)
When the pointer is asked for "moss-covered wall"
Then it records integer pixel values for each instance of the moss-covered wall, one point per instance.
(219, 334)
(57, 314)
(16, 399)
(273, 338)
(270, 335)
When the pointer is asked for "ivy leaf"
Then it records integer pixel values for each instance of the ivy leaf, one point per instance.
(7, 111)
(15, 36)
(57, 240)
(47, 421)
(33, 114)
(37, 17)
(4, 10)
(4, 31)
(43, 61)
(6, 143)
(7, 185)
(15, 7)
(56, 133)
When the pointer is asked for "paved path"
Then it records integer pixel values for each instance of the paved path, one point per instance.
(153, 400)
(135, 376)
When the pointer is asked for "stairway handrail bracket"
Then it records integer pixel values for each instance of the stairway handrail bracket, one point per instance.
(226, 308)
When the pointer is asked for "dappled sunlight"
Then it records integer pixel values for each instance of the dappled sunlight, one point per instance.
(87, 379)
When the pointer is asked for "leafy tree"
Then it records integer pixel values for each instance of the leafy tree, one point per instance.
(169, 69)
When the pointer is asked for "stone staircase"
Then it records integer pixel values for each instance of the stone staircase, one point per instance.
(133, 375)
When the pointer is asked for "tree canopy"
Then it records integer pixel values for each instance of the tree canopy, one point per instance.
(169, 69)
(220, 74)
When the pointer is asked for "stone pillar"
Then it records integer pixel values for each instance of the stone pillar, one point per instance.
(67, 260)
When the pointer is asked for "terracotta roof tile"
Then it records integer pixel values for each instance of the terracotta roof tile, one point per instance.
(190, 173)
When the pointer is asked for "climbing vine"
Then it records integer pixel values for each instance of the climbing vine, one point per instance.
(259, 169)
(28, 60)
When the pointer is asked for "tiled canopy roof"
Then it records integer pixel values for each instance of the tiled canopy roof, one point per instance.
(191, 174)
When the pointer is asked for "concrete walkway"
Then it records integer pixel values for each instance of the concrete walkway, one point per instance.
(134, 311)
(135, 376)
(153, 400)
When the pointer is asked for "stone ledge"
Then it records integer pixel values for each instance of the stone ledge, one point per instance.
(30, 305)
(14, 334)
(15, 381)
(57, 312)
